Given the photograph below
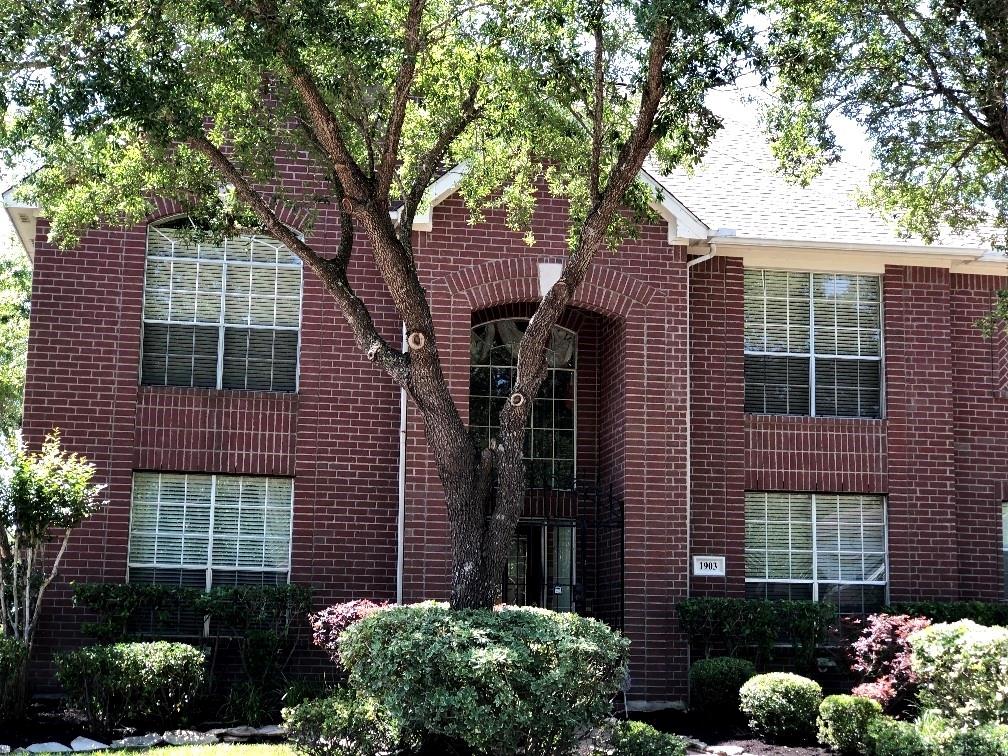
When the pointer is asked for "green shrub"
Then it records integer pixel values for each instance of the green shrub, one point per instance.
(715, 684)
(981, 612)
(133, 683)
(753, 627)
(640, 739)
(963, 672)
(781, 706)
(843, 723)
(500, 682)
(343, 725)
(890, 737)
(12, 659)
(934, 735)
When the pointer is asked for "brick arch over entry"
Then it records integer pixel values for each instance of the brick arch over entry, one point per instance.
(605, 291)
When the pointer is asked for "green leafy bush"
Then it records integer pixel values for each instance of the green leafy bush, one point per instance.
(343, 725)
(263, 625)
(715, 684)
(933, 735)
(12, 658)
(640, 739)
(781, 706)
(981, 612)
(843, 723)
(501, 682)
(753, 628)
(890, 737)
(963, 672)
(133, 683)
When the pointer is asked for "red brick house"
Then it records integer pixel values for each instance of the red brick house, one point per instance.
(768, 393)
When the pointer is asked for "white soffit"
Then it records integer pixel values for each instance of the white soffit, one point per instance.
(24, 219)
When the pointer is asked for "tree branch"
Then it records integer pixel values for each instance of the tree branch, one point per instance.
(395, 363)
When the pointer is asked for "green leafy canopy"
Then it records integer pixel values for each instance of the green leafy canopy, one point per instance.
(108, 96)
(927, 81)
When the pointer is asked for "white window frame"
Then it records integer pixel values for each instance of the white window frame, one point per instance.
(209, 567)
(574, 383)
(811, 355)
(221, 325)
(815, 581)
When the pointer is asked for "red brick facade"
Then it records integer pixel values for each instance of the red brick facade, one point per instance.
(660, 423)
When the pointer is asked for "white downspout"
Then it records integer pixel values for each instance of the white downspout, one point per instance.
(689, 419)
(401, 535)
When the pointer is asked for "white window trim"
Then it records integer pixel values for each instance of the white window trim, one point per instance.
(221, 325)
(811, 354)
(209, 568)
(815, 581)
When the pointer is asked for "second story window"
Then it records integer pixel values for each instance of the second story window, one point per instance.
(813, 344)
(224, 315)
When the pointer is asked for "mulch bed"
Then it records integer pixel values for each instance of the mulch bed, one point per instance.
(722, 733)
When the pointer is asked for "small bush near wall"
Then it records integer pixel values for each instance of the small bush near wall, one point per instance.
(639, 739)
(963, 672)
(12, 657)
(343, 725)
(133, 683)
(981, 612)
(844, 721)
(329, 624)
(516, 680)
(262, 625)
(781, 706)
(881, 657)
(752, 628)
(715, 683)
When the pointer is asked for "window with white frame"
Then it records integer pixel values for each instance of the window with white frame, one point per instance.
(813, 344)
(824, 547)
(210, 530)
(220, 315)
(1004, 546)
(550, 441)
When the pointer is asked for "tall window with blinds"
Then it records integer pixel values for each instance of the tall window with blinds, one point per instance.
(826, 547)
(813, 344)
(210, 530)
(220, 315)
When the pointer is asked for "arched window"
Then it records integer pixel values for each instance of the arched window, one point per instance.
(221, 315)
(550, 443)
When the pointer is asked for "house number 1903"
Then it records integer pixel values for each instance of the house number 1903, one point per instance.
(708, 566)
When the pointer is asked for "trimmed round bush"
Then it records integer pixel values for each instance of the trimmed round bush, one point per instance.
(342, 725)
(329, 624)
(640, 739)
(781, 706)
(715, 684)
(133, 683)
(843, 723)
(498, 682)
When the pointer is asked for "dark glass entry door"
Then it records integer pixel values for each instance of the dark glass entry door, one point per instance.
(540, 570)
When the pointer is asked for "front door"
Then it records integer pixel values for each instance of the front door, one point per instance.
(540, 570)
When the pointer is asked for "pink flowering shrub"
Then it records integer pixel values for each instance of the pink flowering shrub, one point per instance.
(881, 656)
(329, 624)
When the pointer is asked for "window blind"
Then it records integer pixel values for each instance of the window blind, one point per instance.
(224, 315)
(813, 344)
(828, 547)
(191, 529)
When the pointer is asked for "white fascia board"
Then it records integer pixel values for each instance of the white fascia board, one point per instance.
(789, 254)
(683, 226)
(24, 219)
